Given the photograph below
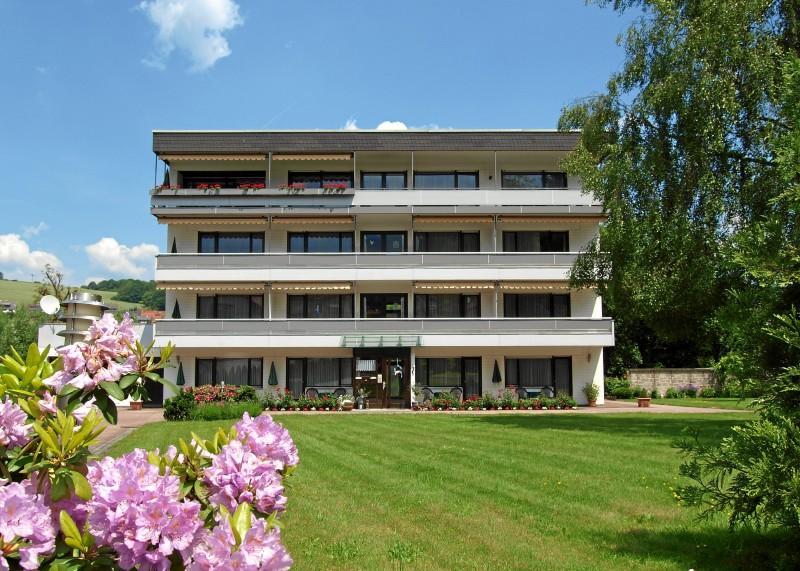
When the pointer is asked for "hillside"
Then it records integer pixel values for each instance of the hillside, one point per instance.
(23, 293)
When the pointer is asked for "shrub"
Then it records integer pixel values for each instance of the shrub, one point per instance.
(245, 393)
(614, 383)
(489, 402)
(507, 399)
(181, 406)
(591, 391)
(472, 402)
(564, 400)
(547, 402)
(689, 390)
(654, 394)
(623, 392)
(225, 411)
(708, 392)
(640, 392)
(672, 393)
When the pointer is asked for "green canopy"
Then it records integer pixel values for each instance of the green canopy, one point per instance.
(273, 376)
(181, 379)
(496, 378)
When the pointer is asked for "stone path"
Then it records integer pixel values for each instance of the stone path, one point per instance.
(127, 421)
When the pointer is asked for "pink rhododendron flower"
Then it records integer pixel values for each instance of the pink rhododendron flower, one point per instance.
(268, 440)
(48, 403)
(83, 411)
(25, 518)
(72, 356)
(139, 513)
(261, 549)
(236, 475)
(14, 430)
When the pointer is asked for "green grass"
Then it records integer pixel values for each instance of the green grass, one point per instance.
(23, 293)
(493, 492)
(726, 403)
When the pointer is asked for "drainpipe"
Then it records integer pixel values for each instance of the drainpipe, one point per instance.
(269, 301)
(269, 170)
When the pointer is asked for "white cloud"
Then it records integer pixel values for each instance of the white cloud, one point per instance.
(350, 125)
(194, 27)
(17, 258)
(116, 258)
(31, 231)
(392, 126)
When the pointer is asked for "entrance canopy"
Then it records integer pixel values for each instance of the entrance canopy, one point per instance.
(381, 341)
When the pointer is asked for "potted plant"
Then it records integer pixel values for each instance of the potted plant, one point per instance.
(592, 392)
(345, 402)
(361, 399)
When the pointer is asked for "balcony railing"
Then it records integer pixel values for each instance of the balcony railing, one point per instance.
(362, 259)
(406, 326)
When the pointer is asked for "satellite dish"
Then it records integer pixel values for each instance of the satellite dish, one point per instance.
(50, 304)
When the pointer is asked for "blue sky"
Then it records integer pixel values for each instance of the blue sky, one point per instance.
(86, 81)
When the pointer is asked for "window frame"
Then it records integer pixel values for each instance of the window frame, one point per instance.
(549, 233)
(455, 174)
(363, 306)
(463, 374)
(553, 359)
(305, 305)
(348, 175)
(462, 302)
(305, 234)
(383, 175)
(216, 236)
(383, 234)
(215, 360)
(461, 235)
(503, 174)
(507, 297)
(216, 306)
(304, 373)
(212, 177)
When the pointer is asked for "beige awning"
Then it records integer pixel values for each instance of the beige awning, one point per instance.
(453, 219)
(535, 286)
(259, 157)
(453, 285)
(550, 219)
(312, 286)
(213, 287)
(249, 221)
(331, 157)
(312, 220)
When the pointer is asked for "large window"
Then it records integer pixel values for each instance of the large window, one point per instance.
(226, 179)
(383, 180)
(321, 179)
(555, 373)
(534, 179)
(447, 241)
(319, 242)
(536, 241)
(383, 305)
(230, 242)
(229, 372)
(536, 305)
(323, 306)
(318, 372)
(230, 306)
(446, 180)
(464, 372)
(447, 305)
(373, 241)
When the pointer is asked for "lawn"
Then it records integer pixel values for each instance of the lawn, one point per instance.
(728, 403)
(22, 293)
(493, 492)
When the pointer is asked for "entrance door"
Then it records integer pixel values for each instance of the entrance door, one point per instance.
(384, 374)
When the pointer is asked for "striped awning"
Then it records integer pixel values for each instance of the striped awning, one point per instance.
(329, 157)
(535, 286)
(305, 220)
(551, 219)
(453, 219)
(213, 287)
(453, 285)
(247, 221)
(260, 157)
(312, 286)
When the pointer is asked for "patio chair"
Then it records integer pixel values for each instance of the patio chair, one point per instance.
(548, 392)
(340, 392)
(427, 395)
(458, 393)
(522, 393)
(312, 393)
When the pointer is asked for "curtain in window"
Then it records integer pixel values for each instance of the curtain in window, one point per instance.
(529, 242)
(444, 305)
(207, 244)
(232, 371)
(444, 372)
(205, 307)
(442, 242)
(256, 373)
(472, 306)
(535, 373)
(533, 305)
(562, 367)
(472, 377)
(205, 372)
(230, 243)
(233, 306)
(294, 376)
(346, 372)
(322, 372)
(561, 305)
(295, 307)
(323, 306)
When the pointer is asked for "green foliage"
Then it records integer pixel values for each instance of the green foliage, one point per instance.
(19, 329)
(672, 393)
(134, 291)
(222, 411)
(180, 407)
(592, 391)
(246, 393)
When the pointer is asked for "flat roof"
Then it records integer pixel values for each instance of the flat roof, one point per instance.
(262, 142)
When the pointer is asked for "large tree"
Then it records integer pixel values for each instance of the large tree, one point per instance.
(678, 149)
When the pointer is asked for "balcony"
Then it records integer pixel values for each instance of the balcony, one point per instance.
(477, 332)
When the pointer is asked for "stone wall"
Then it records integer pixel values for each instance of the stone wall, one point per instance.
(662, 379)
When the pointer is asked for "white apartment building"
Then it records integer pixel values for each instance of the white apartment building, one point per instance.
(406, 262)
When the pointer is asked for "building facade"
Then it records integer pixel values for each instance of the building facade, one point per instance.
(405, 263)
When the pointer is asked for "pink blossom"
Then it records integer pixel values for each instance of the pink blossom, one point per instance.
(57, 381)
(72, 356)
(260, 550)
(236, 475)
(48, 404)
(268, 440)
(25, 518)
(83, 411)
(14, 430)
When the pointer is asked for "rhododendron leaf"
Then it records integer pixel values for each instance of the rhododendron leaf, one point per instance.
(113, 389)
(127, 381)
(10, 380)
(81, 485)
(46, 437)
(69, 528)
(69, 390)
(241, 521)
(59, 488)
(32, 359)
(16, 356)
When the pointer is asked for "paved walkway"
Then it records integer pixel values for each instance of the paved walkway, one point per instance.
(127, 421)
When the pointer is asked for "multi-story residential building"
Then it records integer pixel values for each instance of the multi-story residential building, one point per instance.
(406, 263)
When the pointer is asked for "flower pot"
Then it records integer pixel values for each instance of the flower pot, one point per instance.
(643, 402)
(593, 403)
(136, 405)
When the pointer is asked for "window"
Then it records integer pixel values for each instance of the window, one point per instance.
(229, 371)
(322, 306)
(447, 305)
(383, 180)
(535, 241)
(383, 305)
(447, 241)
(446, 180)
(230, 307)
(555, 373)
(226, 179)
(319, 242)
(318, 372)
(536, 305)
(464, 372)
(320, 179)
(534, 179)
(230, 242)
(383, 241)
